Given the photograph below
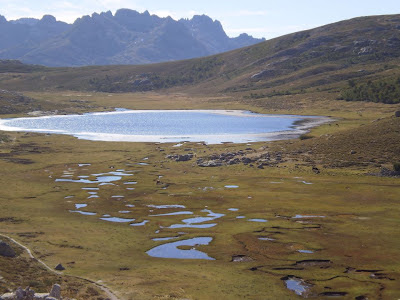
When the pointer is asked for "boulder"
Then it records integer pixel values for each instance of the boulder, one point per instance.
(316, 170)
(6, 250)
(20, 294)
(59, 267)
(55, 291)
(397, 114)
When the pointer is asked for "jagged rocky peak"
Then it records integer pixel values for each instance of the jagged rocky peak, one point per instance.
(136, 21)
(2, 19)
(126, 37)
(26, 21)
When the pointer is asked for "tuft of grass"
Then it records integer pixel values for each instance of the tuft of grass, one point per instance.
(305, 137)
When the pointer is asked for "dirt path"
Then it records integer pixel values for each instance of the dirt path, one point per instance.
(110, 294)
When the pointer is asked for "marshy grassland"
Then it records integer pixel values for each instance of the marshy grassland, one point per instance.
(345, 218)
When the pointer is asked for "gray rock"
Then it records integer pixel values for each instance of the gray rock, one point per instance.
(246, 160)
(6, 250)
(55, 291)
(185, 157)
(210, 163)
(397, 114)
(316, 170)
(241, 258)
(59, 267)
(20, 294)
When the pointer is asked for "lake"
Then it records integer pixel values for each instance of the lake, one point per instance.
(210, 126)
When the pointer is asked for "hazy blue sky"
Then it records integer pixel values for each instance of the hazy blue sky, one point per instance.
(260, 18)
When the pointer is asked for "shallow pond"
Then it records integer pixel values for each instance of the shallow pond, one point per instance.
(117, 220)
(171, 250)
(211, 126)
(296, 285)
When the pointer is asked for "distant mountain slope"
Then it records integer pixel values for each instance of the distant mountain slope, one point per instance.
(128, 37)
(320, 60)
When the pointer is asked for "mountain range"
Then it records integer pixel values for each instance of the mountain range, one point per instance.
(127, 37)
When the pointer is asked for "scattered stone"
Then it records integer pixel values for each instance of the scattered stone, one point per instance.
(388, 173)
(316, 170)
(29, 294)
(260, 166)
(353, 152)
(241, 258)
(59, 267)
(6, 250)
(178, 157)
(55, 291)
(397, 114)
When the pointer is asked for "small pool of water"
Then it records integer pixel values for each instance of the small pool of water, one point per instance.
(165, 239)
(257, 220)
(86, 213)
(171, 250)
(306, 216)
(140, 224)
(78, 206)
(195, 221)
(231, 186)
(266, 239)
(233, 209)
(167, 206)
(296, 285)
(117, 220)
(210, 126)
(176, 213)
(84, 165)
(100, 179)
(305, 251)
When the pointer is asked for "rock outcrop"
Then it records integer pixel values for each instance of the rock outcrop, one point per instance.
(6, 250)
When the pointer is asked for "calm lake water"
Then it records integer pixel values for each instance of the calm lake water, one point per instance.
(213, 126)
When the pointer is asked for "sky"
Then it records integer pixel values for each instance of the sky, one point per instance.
(259, 18)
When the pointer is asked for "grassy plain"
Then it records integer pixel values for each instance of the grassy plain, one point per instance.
(355, 244)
